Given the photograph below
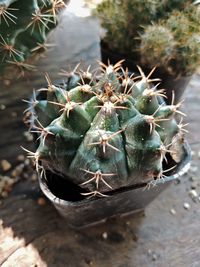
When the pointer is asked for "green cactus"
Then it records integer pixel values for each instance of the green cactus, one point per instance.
(167, 6)
(157, 46)
(106, 132)
(24, 25)
(153, 33)
(178, 47)
(122, 21)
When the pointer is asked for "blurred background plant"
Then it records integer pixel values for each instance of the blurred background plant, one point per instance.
(155, 33)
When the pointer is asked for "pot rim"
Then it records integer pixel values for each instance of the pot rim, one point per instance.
(181, 169)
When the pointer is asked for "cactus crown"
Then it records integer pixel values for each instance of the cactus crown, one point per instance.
(106, 132)
(171, 43)
(24, 25)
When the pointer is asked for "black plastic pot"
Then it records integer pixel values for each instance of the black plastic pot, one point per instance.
(169, 82)
(80, 212)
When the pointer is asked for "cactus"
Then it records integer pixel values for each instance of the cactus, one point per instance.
(167, 6)
(154, 33)
(177, 49)
(122, 21)
(24, 25)
(157, 46)
(106, 132)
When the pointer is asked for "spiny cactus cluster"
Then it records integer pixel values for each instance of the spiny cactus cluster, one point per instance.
(154, 33)
(173, 43)
(122, 21)
(24, 25)
(108, 131)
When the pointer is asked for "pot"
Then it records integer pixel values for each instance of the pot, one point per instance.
(177, 84)
(114, 57)
(81, 212)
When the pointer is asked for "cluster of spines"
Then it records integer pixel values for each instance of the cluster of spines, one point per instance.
(96, 120)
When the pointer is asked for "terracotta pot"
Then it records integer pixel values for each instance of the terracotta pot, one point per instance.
(80, 212)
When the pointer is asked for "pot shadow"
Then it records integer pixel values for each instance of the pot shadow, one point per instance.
(40, 237)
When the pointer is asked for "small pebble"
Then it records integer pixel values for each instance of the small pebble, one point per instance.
(192, 179)
(28, 136)
(2, 107)
(27, 162)
(105, 235)
(150, 252)
(14, 114)
(21, 157)
(173, 212)
(154, 257)
(6, 82)
(34, 177)
(88, 262)
(5, 165)
(4, 194)
(194, 185)
(186, 206)
(177, 181)
(193, 194)
(6, 184)
(7, 188)
(41, 201)
(9, 181)
(17, 170)
(25, 175)
(193, 169)
(20, 209)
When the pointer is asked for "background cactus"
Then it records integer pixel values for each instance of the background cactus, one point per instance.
(180, 53)
(24, 25)
(133, 28)
(106, 132)
(122, 21)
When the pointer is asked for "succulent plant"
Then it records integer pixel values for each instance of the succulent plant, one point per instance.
(167, 6)
(157, 46)
(179, 54)
(154, 33)
(24, 25)
(108, 131)
(122, 21)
